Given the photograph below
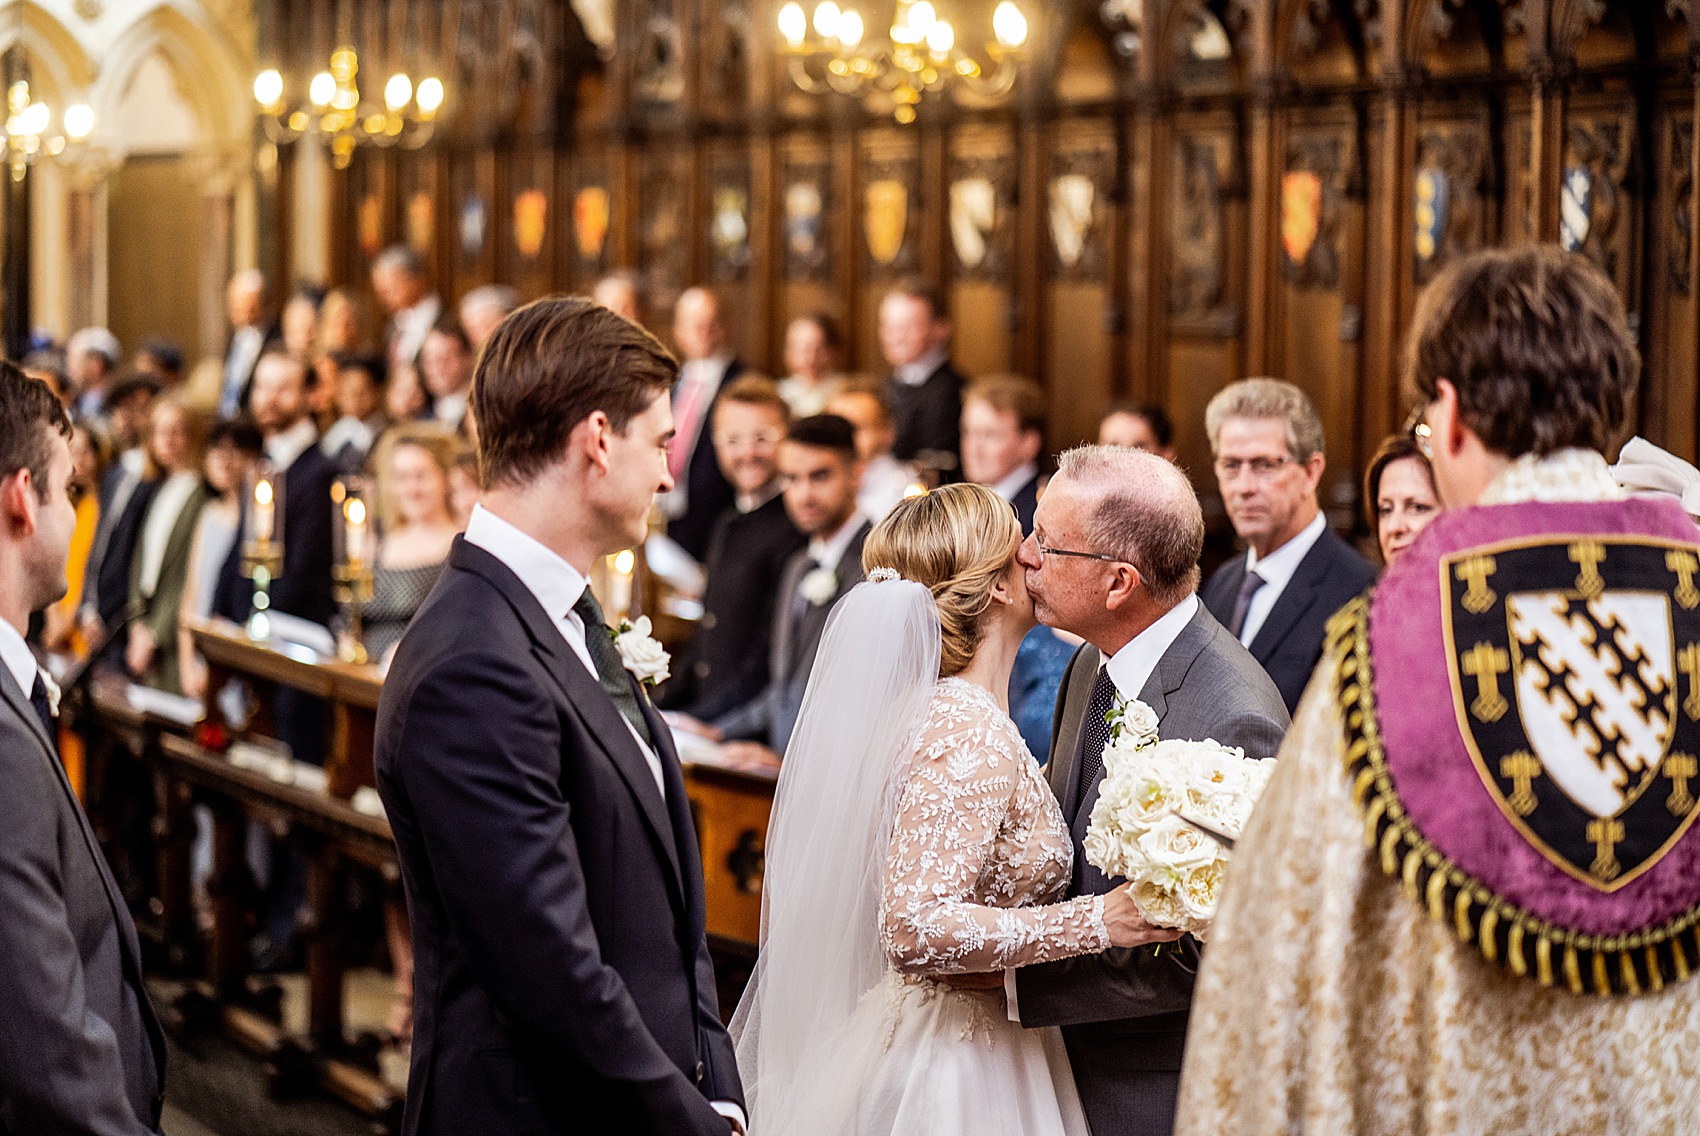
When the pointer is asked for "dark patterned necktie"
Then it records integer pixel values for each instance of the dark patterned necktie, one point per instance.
(44, 711)
(1096, 731)
(610, 671)
(1249, 587)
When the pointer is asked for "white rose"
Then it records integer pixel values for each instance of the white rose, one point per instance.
(641, 653)
(1176, 844)
(819, 586)
(1138, 721)
(1103, 850)
(1161, 907)
(1200, 887)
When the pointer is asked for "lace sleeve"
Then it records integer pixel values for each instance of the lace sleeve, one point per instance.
(961, 789)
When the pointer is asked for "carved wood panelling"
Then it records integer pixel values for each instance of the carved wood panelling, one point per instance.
(1198, 241)
(1678, 266)
(663, 225)
(1449, 215)
(982, 213)
(891, 204)
(1313, 195)
(1077, 207)
(1592, 202)
(806, 212)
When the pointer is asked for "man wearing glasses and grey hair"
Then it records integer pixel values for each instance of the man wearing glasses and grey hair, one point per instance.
(1277, 598)
(1113, 558)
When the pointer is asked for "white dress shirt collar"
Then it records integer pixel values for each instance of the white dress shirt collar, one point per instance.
(556, 584)
(829, 550)
(1131, 667)
(451, 409)
(17, 656)
(750, 502)
(1277, 571)
(1016, 481)
(918, 372)
(284, 447)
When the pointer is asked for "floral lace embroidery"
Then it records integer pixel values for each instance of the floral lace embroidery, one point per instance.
(979, 855)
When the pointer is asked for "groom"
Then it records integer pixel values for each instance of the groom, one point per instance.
(1114, 559)
(561, 975)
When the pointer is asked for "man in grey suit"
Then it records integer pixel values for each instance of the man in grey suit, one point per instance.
(1114, 559)
(821, 473)
(80, 1049)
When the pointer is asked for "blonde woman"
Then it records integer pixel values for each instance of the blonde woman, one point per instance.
(914, 842)
(417, 527)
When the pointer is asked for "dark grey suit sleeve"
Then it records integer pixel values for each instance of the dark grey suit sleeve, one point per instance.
(751, 722)
(60, 1067)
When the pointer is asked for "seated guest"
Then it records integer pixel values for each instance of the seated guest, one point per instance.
(90, 455)
(726, 663)
(176, 441)
(233, 446)
(885, 480)
(418, 527)
(700, 491)
(1003, 433)
(621, 294)
(162, 359)
(360, 412)
(925, 389)
(1138, 426)
(445, 367)
(483, 308)
(344, 332)
(1277, 598)
(299, 322)
(820, 472)
(125, 494)
(91, 362)
(813, 351)
(405, 399)
(1399, 494)
(464, 490)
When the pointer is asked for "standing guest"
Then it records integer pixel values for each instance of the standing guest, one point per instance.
(81, 1050)
(344, 331)
(1003, 434)
(925, 390)
(162, 359)
(621, 294)
(464, 490)
(885, 480)
(417, 521)
(90, 455)
(125, 494)
(1138, 426)
(1446, 933)
(233, 448)
(299, 323)
(1399, 494)
(483, 308)
(176, 445)
(48, 365)
(445, 367)
(360, 412)
(551, 869)
(413, 307)
(1113, 558)
(820, 471)
(91, 358)
(814, 350)
(404, 395)
(245, 306)
(1277, 598)
(701, 492)
(726, 663)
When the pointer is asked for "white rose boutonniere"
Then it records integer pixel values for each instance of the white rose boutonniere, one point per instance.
(819, 586)
(641, 652)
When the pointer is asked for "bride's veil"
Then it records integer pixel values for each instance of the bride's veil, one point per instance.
(826, 843)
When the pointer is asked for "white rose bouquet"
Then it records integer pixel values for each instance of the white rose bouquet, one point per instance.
(1137, 831)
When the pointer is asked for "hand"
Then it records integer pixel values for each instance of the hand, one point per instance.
(139, 651)
(1127, 927)
(750, 754)
(691, 725)
(982, 980)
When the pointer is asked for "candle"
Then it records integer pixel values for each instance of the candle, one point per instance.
(264, 511)
(356, 536)
(620, 584)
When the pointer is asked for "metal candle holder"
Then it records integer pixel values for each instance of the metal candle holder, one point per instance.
(262, 543)
(352, 569)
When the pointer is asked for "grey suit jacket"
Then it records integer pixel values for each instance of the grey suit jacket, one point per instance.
(772, 715)
(80, 1049)
(1123, 1012)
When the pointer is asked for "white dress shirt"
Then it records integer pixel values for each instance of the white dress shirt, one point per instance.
(17, 657)
(827, 551)
(450, 410)
(1130, 669)
(918, 372)
(163, 512)
(245, 347)
(1016, 481)
(285, 446)
(1277, 571)
(885, 482)
(411, 326)
(699, 383)
(557, 586)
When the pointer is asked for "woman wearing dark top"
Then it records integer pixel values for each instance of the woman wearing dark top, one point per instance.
(160, 571)
(418, 528)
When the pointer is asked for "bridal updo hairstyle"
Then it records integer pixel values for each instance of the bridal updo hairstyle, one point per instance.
(956, 541)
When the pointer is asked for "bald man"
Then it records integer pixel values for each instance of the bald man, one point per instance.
(245, 304)
(701, 491)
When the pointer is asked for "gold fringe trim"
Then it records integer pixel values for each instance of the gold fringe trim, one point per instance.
(1453, 896)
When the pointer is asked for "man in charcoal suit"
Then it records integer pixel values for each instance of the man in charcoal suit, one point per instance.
(818, 465)
(700, 490)
(925, 388)
(1114, 559)
(562, 982)
(80, 1048)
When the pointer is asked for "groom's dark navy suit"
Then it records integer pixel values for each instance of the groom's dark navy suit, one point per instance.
(561, 973)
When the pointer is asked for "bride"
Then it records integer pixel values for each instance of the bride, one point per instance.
(914, 839)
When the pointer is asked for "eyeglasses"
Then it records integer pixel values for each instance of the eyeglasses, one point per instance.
(737, 441)
(1044, 552)
(1418, 428)
(1261, 469)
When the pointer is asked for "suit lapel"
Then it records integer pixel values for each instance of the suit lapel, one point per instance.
(786, 627)
(1065, 753)
(1295, 599)
(1170, 671)
(589, 701)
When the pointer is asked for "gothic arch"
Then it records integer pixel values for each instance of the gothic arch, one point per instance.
(61, 68)
(205, 62)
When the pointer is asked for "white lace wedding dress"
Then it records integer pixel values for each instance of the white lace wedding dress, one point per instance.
(978, 858)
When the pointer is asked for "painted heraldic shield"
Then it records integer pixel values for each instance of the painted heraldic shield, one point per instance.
(1532, 774)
